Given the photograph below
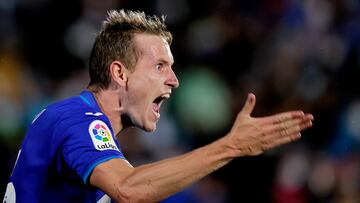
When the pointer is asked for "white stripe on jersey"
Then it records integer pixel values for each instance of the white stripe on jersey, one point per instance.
(104, 199)
(10, 194)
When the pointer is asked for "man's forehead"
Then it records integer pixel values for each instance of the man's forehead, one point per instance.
(153, 46)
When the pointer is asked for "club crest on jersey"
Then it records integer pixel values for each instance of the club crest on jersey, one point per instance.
(101, 136)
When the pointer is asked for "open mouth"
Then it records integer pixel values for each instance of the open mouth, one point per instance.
(157, 103)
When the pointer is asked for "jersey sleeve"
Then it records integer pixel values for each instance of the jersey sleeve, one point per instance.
(87, 143)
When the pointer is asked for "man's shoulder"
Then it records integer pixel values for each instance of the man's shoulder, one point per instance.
(69, 108)
(74, 109)
(72, 105)
(69, 104)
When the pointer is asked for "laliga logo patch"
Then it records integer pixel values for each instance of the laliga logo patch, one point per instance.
(101, 136)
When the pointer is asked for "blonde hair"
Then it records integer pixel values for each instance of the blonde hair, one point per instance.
(139, 22)
(115, 42)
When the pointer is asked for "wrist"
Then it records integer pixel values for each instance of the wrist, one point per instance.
(227, 145)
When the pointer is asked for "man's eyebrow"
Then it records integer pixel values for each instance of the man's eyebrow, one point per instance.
(166, 62)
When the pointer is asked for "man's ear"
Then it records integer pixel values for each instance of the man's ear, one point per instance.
(118, 73)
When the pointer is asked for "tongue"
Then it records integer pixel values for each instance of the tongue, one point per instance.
(156, 107)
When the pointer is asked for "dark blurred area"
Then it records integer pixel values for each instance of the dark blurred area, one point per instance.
(293, 54)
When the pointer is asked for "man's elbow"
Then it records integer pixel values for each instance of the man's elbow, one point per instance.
(126, 194)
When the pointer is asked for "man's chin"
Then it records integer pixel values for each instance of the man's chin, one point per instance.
(149, 127)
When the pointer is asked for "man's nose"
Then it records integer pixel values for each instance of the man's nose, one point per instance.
(172, 80)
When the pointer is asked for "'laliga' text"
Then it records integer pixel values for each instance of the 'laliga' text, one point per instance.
(106, 146)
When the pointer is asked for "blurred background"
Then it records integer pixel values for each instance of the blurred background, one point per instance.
(293, 54)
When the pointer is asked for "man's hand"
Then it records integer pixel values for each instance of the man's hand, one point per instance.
(252, 136)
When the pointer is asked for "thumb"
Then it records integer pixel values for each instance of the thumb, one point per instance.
(249, 105)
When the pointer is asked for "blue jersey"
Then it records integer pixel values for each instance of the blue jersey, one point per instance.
(63, 145)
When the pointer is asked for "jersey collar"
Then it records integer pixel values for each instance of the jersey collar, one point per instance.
(89, 99)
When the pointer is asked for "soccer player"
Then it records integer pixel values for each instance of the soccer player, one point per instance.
(70, 152)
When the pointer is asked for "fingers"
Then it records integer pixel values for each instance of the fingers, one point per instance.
(287, 131)
(249, 105)
(282, 117)
(289, 127)
(295, 125)
(307, 122)
(282, 140)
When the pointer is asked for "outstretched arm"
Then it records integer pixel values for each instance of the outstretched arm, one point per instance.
(158, 180)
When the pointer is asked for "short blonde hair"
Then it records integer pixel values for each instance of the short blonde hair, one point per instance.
(115, 42)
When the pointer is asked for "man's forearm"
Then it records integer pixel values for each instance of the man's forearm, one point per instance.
(155, 181)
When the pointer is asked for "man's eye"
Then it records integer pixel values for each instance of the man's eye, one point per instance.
(159, 66)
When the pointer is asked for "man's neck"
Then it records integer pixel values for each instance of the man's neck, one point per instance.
(109, 103)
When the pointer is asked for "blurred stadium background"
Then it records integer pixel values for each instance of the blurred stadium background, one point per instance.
(293, 54)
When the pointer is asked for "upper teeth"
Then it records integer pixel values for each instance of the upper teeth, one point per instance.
(166, 96)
